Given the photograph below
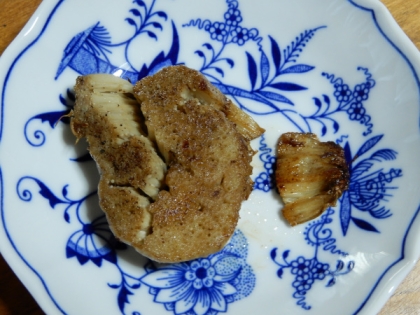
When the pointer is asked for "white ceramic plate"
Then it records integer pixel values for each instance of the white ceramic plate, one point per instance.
(341, 69)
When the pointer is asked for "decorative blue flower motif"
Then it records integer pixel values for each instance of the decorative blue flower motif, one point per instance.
(349, 101)
(94, 242)
(240, 35)
(263, 182)
(303, 283)
(308, 270)
(342, 92)
(300, 266)
(356, 111)
(205, 285)
(233, 17)
(320, 270)
(217, 31)
(361, 92)
(368, 188)
(196, 286)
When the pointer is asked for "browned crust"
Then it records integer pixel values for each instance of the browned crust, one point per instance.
(204, 140)
(310, 175)
(209, 166)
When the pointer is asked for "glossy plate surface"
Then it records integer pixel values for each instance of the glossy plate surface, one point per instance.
(340, 69)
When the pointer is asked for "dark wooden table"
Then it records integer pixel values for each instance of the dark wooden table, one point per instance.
(15, 299)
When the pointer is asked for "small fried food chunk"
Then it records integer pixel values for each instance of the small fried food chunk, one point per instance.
(310, 175)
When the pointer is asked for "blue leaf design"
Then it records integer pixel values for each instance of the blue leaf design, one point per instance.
(286, 254)
(252, 70)
(345, 212)
(131, 22)
(152, 35)
(123, 298)
(47, 194)
(230, 62)
(200, 53)
(135, 286)
(385, 154)
(162, 15)
(140, 3)
(231, 90)
(317, 102)
(64, 191)
(369, 144)
(273, 253)
(275, 52)
(135, 12)
(287, 86)
(157, 25)
(66, 217)
(276, 97)
(347, 155)
(324, 130)
(297, 69)
(361, 168)
(326, 99)
(362, 224)
(340, 265)
(114, 286)
(220, 71)
(265, 67)
(280, 273)
(52, 117)
(336, 126)
(208, 46)
(331, 282)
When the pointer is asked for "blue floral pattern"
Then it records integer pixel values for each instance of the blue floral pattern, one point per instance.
(209, 285)
(198, 287)
(203, 286)
(308, 270)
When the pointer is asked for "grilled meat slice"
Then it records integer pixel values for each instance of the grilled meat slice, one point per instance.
(310, 175)
(208, 159)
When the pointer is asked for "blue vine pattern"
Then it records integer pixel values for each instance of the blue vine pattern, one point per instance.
(209, 285)
(349, 101)
(308, 270)
(38, 137)
(198, 287)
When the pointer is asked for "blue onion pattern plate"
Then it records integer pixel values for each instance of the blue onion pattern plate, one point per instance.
(341, 69)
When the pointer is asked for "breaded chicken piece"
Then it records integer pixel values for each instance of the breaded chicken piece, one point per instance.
(191, 211)
(310, 175)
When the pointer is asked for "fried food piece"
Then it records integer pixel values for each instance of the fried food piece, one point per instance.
(206, 146)
(310, 175)
(132, 173)
(191, 209)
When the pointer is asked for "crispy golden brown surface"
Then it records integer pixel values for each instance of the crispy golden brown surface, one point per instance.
(310, 175)
(189, 127)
